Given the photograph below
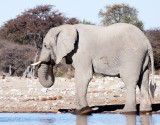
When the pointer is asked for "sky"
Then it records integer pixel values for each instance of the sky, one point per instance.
(83, 9)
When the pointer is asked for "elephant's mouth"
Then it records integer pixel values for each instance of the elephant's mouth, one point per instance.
(50, 62)
(37, 63)
(45, 73)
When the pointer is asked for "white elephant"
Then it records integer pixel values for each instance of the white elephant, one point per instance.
(117, 50)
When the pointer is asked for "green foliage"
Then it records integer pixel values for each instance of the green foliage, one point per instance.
(120, 13)
(85, 22)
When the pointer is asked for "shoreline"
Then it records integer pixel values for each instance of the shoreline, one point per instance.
(26, 95)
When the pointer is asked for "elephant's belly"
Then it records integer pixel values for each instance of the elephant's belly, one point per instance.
(103, 66)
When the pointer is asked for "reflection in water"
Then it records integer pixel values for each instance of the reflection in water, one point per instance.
(131, 119)
(146, 119)
(81, 120)
(46, 121)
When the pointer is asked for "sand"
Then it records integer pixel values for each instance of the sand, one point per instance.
(107, 94)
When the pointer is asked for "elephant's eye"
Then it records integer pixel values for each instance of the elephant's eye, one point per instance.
(46, 46)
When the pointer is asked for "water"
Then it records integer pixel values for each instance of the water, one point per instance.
(69, 119)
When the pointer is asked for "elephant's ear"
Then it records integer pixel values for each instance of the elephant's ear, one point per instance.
(65, 41)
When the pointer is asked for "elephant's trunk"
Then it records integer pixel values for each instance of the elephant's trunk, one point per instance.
(45, 74)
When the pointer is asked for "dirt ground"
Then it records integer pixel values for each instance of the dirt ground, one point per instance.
(105, 94)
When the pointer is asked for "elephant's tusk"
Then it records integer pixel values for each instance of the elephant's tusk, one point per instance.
(34, 64)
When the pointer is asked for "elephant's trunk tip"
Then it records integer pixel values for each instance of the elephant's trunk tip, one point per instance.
(34, 64)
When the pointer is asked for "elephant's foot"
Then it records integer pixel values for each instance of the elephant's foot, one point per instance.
(129, 110)
(84, 111)
(145, 108)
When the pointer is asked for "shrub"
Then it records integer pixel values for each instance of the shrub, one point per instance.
(154, 37)
(16, 56)
(19, 57)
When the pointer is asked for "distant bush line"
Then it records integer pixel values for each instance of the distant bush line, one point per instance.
(154, 37)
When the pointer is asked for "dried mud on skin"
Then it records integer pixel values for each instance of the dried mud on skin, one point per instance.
(106, 95)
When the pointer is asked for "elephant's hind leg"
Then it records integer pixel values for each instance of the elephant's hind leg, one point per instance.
(130, 104)
(130, 77)
(145, 101)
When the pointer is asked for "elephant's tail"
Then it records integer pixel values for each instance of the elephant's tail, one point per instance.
(152, 84)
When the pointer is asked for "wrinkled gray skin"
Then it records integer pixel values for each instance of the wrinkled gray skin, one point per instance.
(117, 50)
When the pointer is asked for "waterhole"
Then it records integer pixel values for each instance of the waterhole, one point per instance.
(70, 119)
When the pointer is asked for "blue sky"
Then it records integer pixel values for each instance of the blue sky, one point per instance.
(84, 9)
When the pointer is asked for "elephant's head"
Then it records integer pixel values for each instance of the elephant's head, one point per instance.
(58, 42)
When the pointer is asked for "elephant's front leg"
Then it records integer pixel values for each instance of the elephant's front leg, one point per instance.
(83, 75)
(81, 93)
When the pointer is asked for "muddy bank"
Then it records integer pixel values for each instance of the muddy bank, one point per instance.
(27, 95)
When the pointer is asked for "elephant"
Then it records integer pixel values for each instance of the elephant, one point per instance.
(119, 50)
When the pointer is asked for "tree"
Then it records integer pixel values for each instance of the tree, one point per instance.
(86, 22)
(31, 26)
(120, 13)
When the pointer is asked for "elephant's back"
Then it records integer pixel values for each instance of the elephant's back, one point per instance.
(111, 39)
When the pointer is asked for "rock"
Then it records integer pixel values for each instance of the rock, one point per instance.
(43, 99)
(58, 112)
(30, 89)
(116, 96)
(44, 90)
(60, 97)
(54, 98)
